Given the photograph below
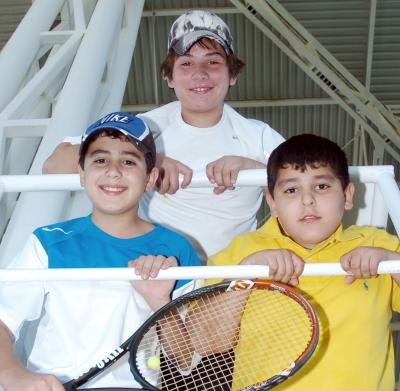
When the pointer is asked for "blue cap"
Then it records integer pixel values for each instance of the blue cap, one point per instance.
(131, 126)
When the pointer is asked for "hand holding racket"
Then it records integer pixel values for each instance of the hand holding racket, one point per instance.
(270, 334)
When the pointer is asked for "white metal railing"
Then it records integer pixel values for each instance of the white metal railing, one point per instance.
(176, 273)
(383, 202)
(258, 177)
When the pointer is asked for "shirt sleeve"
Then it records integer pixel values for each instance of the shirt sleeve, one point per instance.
(395, 246)
(229, 256)
(270, 140)
(392, 243)
(23, 301)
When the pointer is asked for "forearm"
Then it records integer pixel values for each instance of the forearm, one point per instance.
(210, 327)
(175, 340)
(213, 324)
(8, 359)
(259, 165)
(63, 160)
(14, 376)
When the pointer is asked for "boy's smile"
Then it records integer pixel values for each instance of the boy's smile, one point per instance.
(310, 204)
(201, 81)
(113, 190)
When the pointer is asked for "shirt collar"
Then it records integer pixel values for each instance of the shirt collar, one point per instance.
(272, 229)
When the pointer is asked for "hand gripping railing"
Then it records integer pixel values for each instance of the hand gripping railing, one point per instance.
(383, 176)
(177, 273)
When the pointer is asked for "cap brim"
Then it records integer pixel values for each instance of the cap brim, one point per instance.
(184, 43)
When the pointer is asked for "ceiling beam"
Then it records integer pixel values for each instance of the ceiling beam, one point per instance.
(180, 11)
(370, 45)
(247, 104)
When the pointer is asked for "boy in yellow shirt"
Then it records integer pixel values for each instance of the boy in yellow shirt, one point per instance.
(308, 192)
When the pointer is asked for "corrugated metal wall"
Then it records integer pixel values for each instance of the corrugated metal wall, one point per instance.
(11, 13)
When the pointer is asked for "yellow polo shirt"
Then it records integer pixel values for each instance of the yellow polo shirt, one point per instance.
(355, 349)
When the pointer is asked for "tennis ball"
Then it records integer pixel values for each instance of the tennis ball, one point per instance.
(153, 362)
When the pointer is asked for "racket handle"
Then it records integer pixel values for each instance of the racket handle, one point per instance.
(176, 273)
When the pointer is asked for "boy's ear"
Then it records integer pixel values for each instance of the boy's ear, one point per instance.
(232, 81)
(348, 196)
(271, 204)
(81, 175)
(152, 178)
(170, 82)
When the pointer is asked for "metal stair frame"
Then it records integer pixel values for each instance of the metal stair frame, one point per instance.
(84, 80)
(322, 67)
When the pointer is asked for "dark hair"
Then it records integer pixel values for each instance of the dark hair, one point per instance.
(114, 134)
(235, 65)
(307, 150)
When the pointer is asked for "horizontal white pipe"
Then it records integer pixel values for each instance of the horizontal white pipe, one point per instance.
(17, 183)
(49, 182)
(176, 273)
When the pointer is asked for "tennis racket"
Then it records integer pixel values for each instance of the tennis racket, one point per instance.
(256, 335)
(262, 332)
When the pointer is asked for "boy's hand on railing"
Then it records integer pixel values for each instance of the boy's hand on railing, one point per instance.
(63, 160)
(168, 177)
(224, 171)
(362, 262)
(284, 265)
(156, 292)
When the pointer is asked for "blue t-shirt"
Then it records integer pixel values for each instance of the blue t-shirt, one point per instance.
(79, 243)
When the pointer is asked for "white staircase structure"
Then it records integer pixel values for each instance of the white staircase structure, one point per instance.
(69, 62)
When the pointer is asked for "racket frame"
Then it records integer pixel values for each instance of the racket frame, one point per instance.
(295, 366)
(111, 358)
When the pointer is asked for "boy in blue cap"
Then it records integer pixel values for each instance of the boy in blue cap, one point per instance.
(81, 322)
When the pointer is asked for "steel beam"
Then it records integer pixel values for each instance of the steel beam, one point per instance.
(304, 49)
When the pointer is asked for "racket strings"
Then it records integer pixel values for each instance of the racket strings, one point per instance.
(275, 330)
(208, 318)
(245, 340)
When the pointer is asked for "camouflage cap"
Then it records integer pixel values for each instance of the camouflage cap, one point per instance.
(194, 25)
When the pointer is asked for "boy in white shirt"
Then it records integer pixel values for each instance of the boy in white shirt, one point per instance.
(199, 133)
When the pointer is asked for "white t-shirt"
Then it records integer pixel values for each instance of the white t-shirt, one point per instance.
(209, 221)
(80, 323)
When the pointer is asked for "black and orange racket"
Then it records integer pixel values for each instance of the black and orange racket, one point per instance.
(262, 332)
(239, 335)
(275, 329)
